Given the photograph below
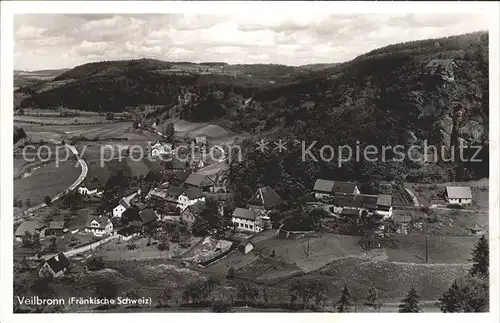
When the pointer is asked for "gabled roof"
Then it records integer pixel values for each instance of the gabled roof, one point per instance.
(131, 214)
(244, 214)
(147, 216)
(174, 191)
(245, 242)
(196, 208)
(344, 187)
(126, 201)
(179, 175)
(198, 180)
(56, 225)
(200, 140)
(58, 262)
(323, 186)
(265, 197)
(102, 220)
(30, 226)
(223, 245)
(356, 200)
(458, 192)
(176, 163)
(347, 211)
(193, 193)
(384, 200)
(439, 62)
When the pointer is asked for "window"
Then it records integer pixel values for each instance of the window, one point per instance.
(246, 226)
(251, 227)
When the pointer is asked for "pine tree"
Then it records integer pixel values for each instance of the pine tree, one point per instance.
(372, 298)
(344, 303)
(480, 257)
(451, 300)
(410, 302)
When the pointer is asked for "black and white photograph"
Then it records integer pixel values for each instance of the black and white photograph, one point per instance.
(261, 158)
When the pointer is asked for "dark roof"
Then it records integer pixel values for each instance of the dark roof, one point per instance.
(198, 180)
(131, 214)
(244, 214)
(56, 225)
(439, 62)
(344, 187)
(245, 242)
(347, 211)
(384, 200)
(174, 191)
(58, 262)
(102, 220)
(135, 224)
(176, 163)
(356, 200)
(193, 193)
(179, 175)
(147, 216)
(30, 226)
(323, 186)
(265, 197)
(458, 192)
(196, 208)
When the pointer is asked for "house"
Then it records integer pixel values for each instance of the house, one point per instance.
(355, 201)
(32, 227)
(247, 220)
(264, 199)
(201, 181)
(384, 205)
(173, 193)
(89, 188)
(56, 228)
(192, 212)
(223, 246)
(245, 246)
(176, 163)
(323, 188)
(55, 266)
(99, 225)
(175, 177)
(442, 67)
(131, 214)
(458, 195)
(148, 216)
(159, 149)
(190, 196)
(123, 205)
(200, 141)
(345, 188)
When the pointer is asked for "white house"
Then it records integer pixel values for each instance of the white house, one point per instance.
(55, 266)
(191, 196)
(247, 220)
(99, 225)
(123, 205)
(161, 149)
(245, 246)
(89, 188)
(384, 206)
(458, 195)
(323, 188)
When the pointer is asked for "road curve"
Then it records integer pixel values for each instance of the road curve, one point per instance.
(78, 181)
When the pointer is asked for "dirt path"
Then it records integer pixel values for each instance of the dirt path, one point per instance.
(413, 197)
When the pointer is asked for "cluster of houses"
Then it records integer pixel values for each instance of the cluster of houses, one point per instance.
(346, 199)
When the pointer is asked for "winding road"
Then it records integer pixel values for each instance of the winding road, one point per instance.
(80, 178)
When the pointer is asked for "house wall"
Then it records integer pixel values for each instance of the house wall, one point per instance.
(246, 225)
(184, 201)
(118, 211)
(386, 213)
(321, 195)
(459, 201)
(248, 248)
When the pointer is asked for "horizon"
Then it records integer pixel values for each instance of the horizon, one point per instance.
(64, 41)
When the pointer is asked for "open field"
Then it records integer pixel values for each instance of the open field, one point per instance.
(47, 180)
(214, 133)
(58, 120)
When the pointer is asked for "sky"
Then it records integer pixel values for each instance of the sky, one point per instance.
(52, 41)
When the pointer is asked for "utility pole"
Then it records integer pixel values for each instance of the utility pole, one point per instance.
(426, 250)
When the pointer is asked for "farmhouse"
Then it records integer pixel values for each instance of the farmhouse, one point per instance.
(247, 220)
(264, 199)
(98, 225)
(345, 188)
(245, 246)
(175, 177)
(458, 195)
(323, 188)
(200, 181)
(223, 246)
(123, 205)
(356, 202)
(32, 227)
(56, 228)
(89, 188)
(191, 212)
(159, 149)
(148, 216)
(55, 266)
(384, 205)
(191, 196)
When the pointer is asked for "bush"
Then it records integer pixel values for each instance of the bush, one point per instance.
(95, 263)
(163, 246)
(131, 246)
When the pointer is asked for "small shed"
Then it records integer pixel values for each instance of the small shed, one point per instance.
(246, 246)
